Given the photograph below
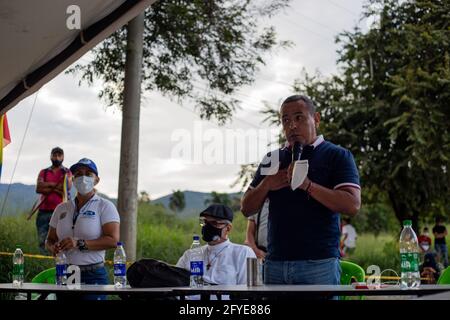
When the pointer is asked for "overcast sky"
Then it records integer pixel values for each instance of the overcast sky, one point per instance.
(73, 118)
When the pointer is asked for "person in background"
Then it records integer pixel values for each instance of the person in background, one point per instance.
(440, 232)
(85, 227)
(50, 184)
(349, 234)
(224, 261)
(424, 241)
(256, 235)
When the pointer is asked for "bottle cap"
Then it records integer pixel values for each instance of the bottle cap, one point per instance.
(196, 237)
(119, 243)
(407, 223)
(17, 246)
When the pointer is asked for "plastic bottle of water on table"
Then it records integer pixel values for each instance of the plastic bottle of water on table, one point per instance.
(120, 266)
(61, 268)
(409, 257)
(18, 267)
(196, 263)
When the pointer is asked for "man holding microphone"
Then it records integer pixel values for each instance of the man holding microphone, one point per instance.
(303, 231)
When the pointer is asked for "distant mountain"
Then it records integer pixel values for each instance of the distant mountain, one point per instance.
(195, 202)
(21, 198)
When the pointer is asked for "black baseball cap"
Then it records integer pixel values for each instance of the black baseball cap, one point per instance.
(57, 150)
(219, 211)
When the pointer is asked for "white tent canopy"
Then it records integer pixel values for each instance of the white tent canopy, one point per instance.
(36, 44)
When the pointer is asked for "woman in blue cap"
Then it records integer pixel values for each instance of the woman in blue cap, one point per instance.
(85, 227)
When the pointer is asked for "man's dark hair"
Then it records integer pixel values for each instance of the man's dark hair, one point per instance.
(57, 150)
(308, 102)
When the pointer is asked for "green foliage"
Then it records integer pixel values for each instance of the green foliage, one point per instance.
(389, 104)
(197, 50)
(177, 201)
(218, 198)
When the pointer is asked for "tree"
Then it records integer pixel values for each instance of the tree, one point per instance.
(144, 197)
(218, 198)
(201, 50)
(177, 201)
(389, 104)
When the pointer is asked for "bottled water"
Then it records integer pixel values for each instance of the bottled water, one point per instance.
(120, 266)
(61, 268)
(196, 263)
(409, 257)
(18, 267)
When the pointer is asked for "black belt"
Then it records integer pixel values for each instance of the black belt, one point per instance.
(92, 267)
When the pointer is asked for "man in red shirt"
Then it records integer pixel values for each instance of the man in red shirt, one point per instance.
(50, 184)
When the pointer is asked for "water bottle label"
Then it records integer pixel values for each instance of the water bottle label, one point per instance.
(18, 269)
(61, 270)
(196, 268)
(409, 262)
(120, 269)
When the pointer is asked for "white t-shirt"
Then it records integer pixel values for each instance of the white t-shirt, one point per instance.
(350, 241)
(261, 239)
(228, 262)
(88, 226)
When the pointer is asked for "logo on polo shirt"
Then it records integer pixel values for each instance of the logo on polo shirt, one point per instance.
(89, 213)
(62, 215)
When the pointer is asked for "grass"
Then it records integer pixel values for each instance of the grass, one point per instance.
(164, 236)
(381, 250)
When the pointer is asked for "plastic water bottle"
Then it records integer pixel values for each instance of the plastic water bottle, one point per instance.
(409, 257)
(61, 268)
(120, 266)
(196, 263)
(18, 267)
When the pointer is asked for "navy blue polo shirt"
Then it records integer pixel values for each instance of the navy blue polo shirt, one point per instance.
(301, 228)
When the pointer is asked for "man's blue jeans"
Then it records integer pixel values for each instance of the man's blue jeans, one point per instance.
(325, 271)
(442, 253)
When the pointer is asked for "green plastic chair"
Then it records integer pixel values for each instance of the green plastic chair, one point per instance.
(351, 272)
(444, 278)
(46, 276)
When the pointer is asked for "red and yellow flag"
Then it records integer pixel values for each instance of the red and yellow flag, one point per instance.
(5, 138)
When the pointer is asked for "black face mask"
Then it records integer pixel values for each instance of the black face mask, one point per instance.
(56, 163)
(211, 233)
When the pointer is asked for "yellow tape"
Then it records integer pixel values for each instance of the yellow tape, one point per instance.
(39, 256)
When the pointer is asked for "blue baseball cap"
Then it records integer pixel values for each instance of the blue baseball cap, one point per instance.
(85, 162)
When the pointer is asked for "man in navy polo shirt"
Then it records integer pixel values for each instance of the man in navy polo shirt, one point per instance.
(304, 233)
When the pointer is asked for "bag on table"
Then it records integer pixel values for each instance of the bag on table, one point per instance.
(151, 273)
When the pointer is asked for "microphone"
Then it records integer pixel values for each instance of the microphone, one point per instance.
(297, 151)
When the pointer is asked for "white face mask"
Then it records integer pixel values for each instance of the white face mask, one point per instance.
(84, 184)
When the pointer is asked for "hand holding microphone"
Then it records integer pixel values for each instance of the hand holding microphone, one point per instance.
(298, 169)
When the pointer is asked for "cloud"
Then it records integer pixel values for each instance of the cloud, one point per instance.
(74, 118)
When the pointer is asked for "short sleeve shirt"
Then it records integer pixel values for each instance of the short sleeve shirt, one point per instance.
(85, 224)
(301, 228)
(48, 175)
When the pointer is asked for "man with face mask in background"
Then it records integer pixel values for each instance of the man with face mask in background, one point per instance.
(224, 262)
(50, 185)
(85, 227)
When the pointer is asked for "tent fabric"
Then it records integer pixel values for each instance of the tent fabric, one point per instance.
(36, 44)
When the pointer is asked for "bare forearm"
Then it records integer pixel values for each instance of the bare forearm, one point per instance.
(250, 235)
(253, 199)
(102, 243)
(336, 200)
